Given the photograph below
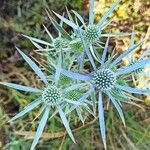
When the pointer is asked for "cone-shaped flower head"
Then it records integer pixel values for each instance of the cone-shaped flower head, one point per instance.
(104, 79)
(92, 34)
(52, 96)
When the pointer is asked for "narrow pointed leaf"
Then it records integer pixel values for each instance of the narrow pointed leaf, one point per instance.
(27, 109)
(76, 76)
(37, 40)
(40, 128)
(39, 112)
(78, 110)
(91, 12)
(61, 22)
(68, 22)
(105, 52)
(118, 108)
(79, 17)
(102, 119)
(49, 34)
(73, 102)
(73, 87)
(21, 87)
(110, 10)
(58, 27)
(115, 34)
(118, 59)
(104, 25)
(93, 53)
(130, 68)
(58, 69)
(36, 69)
(39, 47)
(71, 19)
(132, 39)
(132, 90)
(131, 44)
(66, 123)
(81, 61)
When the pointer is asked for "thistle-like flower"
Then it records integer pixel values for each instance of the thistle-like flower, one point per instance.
(106, 79)
(51, 96)
(59, 43)
(92, 33)
(63, 93)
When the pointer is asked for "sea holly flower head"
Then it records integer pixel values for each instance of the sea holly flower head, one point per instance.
(92, 31)
(104, 79)
(92, 34)
(52, 96)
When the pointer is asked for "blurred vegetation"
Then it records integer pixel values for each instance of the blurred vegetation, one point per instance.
(27, 17)
(18, 17)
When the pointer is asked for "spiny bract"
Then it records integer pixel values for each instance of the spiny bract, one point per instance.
(52, 95)
(104, 79)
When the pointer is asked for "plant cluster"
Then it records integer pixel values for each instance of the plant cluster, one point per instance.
(68, 86)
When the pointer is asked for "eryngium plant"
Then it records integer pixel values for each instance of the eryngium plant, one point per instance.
(93, 32)
(51, 96)
(111, 80)
(70, 88)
